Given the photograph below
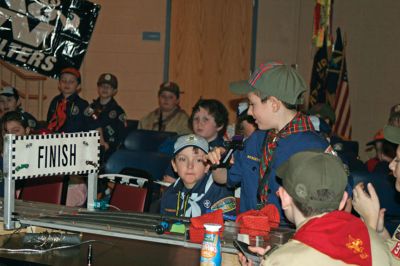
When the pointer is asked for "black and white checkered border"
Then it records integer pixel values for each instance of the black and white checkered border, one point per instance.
(56, 174)
(56, 136)
(125, 179)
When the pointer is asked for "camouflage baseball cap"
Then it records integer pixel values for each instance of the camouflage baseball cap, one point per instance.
(392, 134)
(191, 140)
(273, 79)
(306, 175)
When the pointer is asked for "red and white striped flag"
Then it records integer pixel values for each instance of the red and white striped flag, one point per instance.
(342, 127)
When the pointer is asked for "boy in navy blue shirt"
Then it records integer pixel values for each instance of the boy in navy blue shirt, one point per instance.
(194, 192)
(107, 114)
(66, 111)
(66, 114)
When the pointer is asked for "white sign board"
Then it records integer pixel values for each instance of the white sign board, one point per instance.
(54, 154)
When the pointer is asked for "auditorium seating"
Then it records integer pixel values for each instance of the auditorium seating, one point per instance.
(146, 140)
(150, 165)
(43, 189)
(129, 194)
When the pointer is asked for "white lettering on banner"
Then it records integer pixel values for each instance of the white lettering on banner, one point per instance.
(45, 12)
(27, 55)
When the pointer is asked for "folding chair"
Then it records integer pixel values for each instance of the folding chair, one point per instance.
(43, 189)
(129, 193)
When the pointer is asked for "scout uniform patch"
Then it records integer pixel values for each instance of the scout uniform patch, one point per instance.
(396, 248)
(226, 204)
(122, 117)
(112, 114)
(88, 111)
(75, 110)
(253, 158)
(207, 204)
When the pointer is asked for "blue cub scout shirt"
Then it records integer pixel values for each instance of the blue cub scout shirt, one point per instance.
(76, 120)
(111, 118)
(246, 170)
(180, 201)
(286, 147)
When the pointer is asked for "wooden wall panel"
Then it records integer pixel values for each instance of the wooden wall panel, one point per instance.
(210, 47)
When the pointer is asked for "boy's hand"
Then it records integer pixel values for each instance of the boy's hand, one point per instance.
(367, 204)
(259, 250)
(214, 156)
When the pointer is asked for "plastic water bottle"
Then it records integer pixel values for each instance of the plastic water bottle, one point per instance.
(211, 248)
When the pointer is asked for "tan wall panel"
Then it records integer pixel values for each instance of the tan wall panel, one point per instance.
(117, 47)
(210, 46)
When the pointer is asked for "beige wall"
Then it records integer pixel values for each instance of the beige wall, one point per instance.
(284, 32)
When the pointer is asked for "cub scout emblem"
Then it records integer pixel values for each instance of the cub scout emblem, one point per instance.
(356, 245)
(207, 204)
(112, 114)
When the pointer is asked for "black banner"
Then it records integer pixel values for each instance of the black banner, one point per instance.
(46, 36)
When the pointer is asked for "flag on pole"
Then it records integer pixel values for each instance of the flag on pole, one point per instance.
(322, 22)
(318, 76)
(342, 127)
(334, 69)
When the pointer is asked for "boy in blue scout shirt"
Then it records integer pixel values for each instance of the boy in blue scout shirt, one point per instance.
(245, 170)
(105, 113)
(66, 110)
(194, 192)
(66, 114)
(274, 90)
(11, 101)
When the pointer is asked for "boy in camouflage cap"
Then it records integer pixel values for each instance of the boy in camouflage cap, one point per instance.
(274, 91)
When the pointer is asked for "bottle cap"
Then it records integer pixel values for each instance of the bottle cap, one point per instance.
(212, 227)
